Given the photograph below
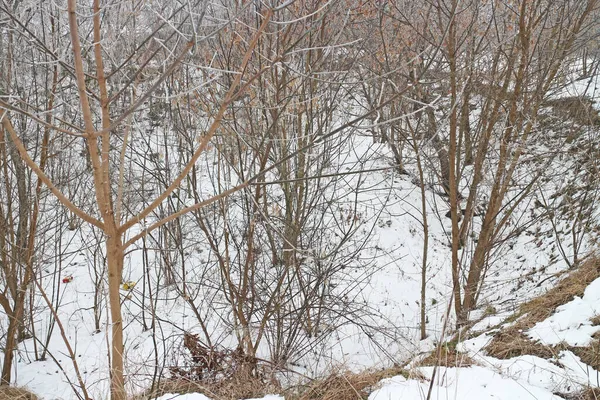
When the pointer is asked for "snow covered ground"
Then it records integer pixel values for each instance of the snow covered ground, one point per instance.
(386, 330)
(392, 293)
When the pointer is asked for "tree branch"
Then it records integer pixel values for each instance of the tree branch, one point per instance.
(229, 97)
(37, 170)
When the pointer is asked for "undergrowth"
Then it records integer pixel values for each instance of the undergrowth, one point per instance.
(347, 385)
(221, 374)
(16, 393)
(512, 341)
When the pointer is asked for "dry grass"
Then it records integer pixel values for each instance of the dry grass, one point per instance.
(221, 374)
(343, 385)
(578, 108)
(512, 342)
(448, 357)
(587, 394)
(589, 354)
(346, 385)
(574, 284)
(230, 389)
(233, 389)
(590, 394)
(16, 393)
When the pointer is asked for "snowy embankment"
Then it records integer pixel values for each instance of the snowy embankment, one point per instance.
(386, 329)
(386, 334)
(536, 260)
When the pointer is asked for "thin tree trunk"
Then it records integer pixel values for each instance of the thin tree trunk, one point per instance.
(425, 248)
(452, 168)
(114, 258)
(8, 352)
(16, 319)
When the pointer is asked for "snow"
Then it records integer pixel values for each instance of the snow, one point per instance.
(489, 321)
(461, 384)
(566, 373)
(385, 330)
(571, 323)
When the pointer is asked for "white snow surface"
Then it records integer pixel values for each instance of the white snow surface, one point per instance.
(460, 384)
(571, 323)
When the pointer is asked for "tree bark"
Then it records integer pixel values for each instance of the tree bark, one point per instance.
(114, 258)
(8, 352)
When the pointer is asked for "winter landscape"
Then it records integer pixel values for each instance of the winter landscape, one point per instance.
(299, 200)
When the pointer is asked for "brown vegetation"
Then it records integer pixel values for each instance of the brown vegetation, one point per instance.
(590, 394)
(587, 394)
(448, 357)
(580, 109)
(234, 388)
(512, 342)
(220, 374)
(589, 354)
(574, 284)
(16, 393)
(346, 385)
(341, 385)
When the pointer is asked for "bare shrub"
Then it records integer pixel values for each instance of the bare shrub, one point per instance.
(227, 374)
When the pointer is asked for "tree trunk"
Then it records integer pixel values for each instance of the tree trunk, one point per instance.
(465, 126)
(114, 257)
(15, 319)
(481, 250)
(425, 248)
(8, 352)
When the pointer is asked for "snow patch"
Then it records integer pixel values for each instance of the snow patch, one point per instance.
(571, 323)
(461, 383)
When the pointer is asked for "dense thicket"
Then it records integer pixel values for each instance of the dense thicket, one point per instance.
(214, 147)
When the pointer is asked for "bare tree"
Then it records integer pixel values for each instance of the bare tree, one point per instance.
(108, 190)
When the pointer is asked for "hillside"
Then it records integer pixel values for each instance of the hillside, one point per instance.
(303, 200)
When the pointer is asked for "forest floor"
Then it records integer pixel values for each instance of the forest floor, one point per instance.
(534, 336)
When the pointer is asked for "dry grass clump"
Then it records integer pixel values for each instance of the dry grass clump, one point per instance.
(578, 108)
(346, 385)
(587, 394)
(512, 342)
(230, 389)
(221, 374)
(174, 386)
(590, 394)
(448, 357)
(574, 284)
(16, 393)
(589, 354)
(342, 385)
